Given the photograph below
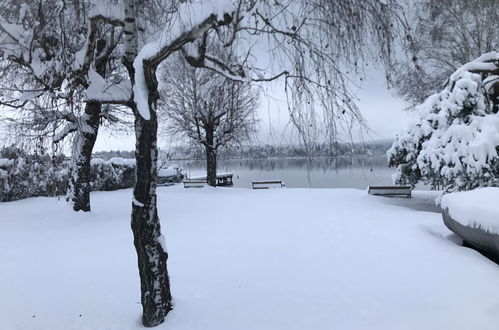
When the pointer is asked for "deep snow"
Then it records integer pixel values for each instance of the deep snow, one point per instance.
(475, 208)
(276, 259)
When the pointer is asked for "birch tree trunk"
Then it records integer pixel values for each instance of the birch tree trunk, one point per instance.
(148, 241)
(79, 180)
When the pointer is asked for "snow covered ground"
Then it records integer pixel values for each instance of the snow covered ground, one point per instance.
(276, 259)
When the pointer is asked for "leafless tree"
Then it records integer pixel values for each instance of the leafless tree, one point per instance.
(445, 35)
(207, 108)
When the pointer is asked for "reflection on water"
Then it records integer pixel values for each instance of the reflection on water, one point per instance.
(319, 172)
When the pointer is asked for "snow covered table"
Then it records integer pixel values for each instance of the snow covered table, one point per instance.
(474, 216)
(223, 179)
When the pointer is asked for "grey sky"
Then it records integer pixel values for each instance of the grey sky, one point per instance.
(383, 112)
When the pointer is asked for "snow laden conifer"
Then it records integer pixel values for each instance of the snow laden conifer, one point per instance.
(453, 142)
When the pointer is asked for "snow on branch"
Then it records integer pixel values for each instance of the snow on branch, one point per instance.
(102, 91)
(454, 141)
(486, 63)
(153, 53)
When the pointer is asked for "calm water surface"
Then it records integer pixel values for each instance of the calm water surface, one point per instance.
(319, 172)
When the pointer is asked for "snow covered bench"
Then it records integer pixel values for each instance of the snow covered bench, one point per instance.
(194, 183)
(474, 216)
(267, 184)
(390, 191)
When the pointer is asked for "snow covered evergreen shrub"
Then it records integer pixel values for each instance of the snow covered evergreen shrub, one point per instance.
(454, 141)
(115, 173)
(24, 175)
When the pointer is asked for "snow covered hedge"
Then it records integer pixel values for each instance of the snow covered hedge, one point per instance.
(454, 141)
(115, 173)
(25, 175)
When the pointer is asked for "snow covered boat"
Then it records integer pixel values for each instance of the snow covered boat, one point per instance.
(474, 216)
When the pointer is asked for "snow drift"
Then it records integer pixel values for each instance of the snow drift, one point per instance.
(474, 216)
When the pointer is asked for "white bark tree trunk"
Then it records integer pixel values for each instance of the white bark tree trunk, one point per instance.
(79, 178)
(148, 241)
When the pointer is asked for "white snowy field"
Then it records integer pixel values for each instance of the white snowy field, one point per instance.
(244, 259)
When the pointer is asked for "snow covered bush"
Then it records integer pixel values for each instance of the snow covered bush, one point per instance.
(453, 143)
(24, 175)
(115, 173)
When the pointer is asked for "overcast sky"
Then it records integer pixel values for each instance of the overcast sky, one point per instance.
(383, 112)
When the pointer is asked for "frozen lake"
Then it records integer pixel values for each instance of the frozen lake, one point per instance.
(318, 172)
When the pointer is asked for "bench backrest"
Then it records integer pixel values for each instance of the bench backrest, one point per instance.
(194, 183)
(267, 184)
(390, 190)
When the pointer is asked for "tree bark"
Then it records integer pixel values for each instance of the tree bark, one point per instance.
(211, 158)
(148, 241)
(88, 127)
(211, 167)
(79, 180)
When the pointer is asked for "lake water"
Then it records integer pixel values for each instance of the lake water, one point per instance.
(318, 172)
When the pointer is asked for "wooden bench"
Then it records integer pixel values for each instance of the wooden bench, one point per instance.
(194, 183)
(390, 191)
(267, 184)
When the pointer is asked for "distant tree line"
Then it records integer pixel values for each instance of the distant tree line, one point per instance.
(114, 153)
(272, 151)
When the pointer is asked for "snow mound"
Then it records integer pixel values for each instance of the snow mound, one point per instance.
(169, 171)
(476, 208)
